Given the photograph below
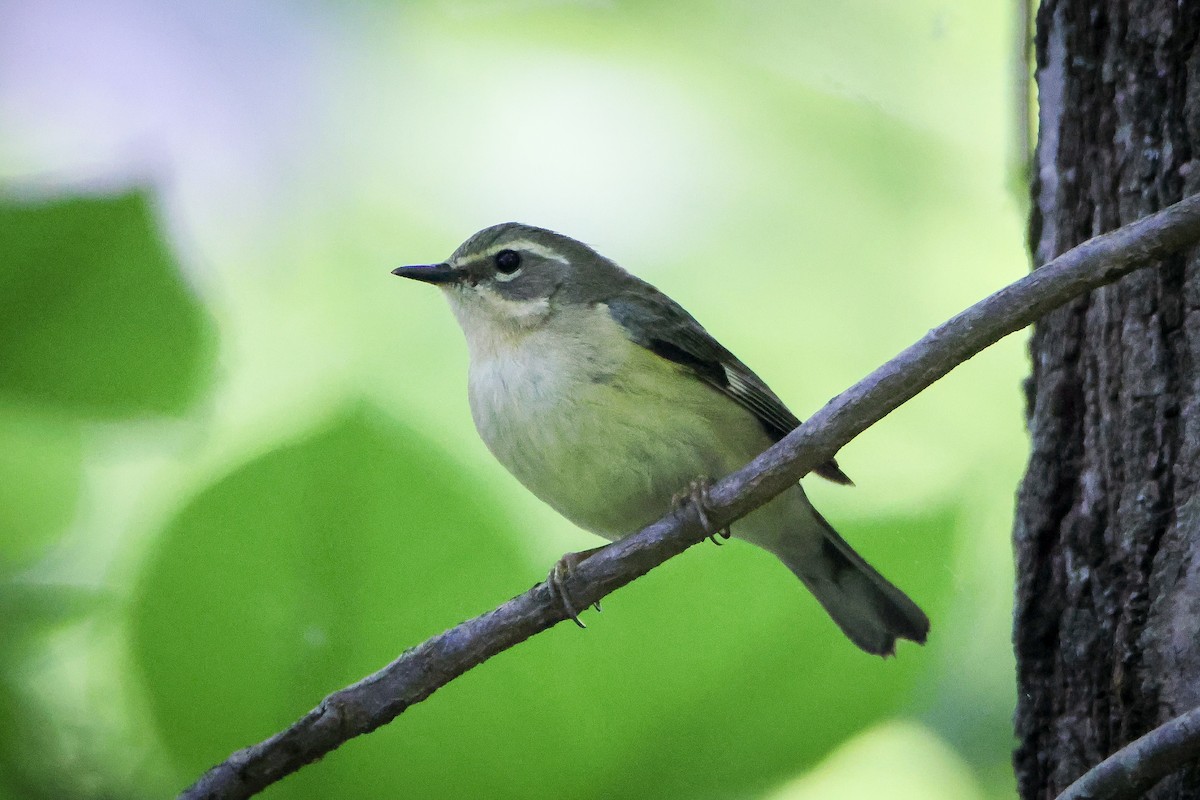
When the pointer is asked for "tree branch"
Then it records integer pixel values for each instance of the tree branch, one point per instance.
(417, 673)
(1131, 771)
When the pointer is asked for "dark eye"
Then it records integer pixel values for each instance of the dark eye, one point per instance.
(508, 261)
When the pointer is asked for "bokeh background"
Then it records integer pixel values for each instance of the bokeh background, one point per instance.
(237, 467)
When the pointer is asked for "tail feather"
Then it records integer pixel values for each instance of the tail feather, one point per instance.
(866, 606)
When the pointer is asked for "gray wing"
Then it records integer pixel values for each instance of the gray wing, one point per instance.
(658, 323)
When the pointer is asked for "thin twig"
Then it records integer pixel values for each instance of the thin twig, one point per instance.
(416, 674)
(1132, 770)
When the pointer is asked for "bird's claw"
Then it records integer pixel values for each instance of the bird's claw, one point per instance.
(697, 494)
(557, 579)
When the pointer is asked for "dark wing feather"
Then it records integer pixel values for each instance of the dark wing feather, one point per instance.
(658, 323)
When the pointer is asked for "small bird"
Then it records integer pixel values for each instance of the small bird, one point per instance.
(605, 399)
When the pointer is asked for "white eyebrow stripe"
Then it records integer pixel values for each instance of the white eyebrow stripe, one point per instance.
(525, 245)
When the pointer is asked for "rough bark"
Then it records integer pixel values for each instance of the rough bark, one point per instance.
(1107, 537)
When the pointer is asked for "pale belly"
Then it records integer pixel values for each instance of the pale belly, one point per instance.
(607, 442)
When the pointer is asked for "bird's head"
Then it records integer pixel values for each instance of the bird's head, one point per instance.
(513, 277)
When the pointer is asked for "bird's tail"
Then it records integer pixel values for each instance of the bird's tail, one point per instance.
(870, 611)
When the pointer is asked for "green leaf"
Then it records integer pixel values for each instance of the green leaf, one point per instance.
(94, 316)
(303, 571)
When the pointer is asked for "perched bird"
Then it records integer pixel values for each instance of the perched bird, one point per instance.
(605, 399)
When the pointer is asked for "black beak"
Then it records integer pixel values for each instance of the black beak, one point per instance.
(430, 273)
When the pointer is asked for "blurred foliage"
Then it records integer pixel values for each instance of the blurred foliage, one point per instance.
(94, 318)
(40, 466)
(898, 760)
(302, 571)
(237, 469)
(95, 322)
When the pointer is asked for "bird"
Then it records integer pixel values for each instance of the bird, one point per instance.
(612, 404)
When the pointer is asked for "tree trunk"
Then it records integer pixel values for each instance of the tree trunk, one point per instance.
(1107, 537)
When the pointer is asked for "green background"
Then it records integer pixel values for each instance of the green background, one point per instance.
(237, 468)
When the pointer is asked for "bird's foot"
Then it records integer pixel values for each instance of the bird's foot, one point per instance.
(696, 493)
(557, 578)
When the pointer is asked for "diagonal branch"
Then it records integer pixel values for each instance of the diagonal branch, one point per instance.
(1131, 771)
(417, 673)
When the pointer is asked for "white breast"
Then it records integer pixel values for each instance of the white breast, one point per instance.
(599, 428)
